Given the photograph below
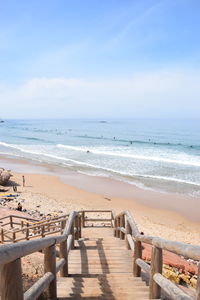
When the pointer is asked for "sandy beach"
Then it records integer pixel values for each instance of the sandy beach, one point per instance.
(155, 213)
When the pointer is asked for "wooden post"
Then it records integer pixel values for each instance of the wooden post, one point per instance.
(63, 254)
(115, 225)
(62, 226)
(76, 236)
(11, 281)
(122, 224)
(43, 231)
(79, 225)
(156, 267)
(118, 224)
(11, 221)
(198, 283)
(14, 237)
(27, 231)
(22, 226)
(72, 233)
(2, 236)
(83, 219)
(128, 231)
(137, 254)
(50, 266)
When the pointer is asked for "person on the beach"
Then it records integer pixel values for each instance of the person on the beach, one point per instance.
(14, 188)
(19, 207)
(23, 178)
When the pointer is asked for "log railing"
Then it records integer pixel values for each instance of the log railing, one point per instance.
(12, 220)
(10, 260)
(106, 222)
(126, 228)
(29, 229)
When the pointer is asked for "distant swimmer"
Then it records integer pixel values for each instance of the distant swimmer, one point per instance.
(88, 151)
(114, 138)
(131, 142)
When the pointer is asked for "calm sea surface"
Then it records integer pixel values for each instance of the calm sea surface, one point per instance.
(154, 154)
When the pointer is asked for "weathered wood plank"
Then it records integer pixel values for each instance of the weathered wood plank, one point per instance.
(69, 243)
(143, 265)
(64, 255)
(69, 223)
(36, 290)
(60, 264)
(156, 267)
(170, 288)
(11, 281)
(189, 251)
(50, 266)
(97, 220)
(137, 254)
(130, 242)
(11, 252)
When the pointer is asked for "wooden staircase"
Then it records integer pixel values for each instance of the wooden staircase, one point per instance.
(101, 267)
(99, 258)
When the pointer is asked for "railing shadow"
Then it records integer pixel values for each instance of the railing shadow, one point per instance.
(102, 281)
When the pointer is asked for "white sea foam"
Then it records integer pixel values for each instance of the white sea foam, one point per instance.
(134, 156)
(95, 167)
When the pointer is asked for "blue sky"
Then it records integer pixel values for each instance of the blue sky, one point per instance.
(61, 58)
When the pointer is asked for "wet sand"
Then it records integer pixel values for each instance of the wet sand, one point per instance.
(53, 189)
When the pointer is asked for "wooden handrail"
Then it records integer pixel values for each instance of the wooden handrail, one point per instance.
(38, 222)
(157, 281)
(186, 250)
(84, 219)
(10, 259)
(35, 230)
(19, 217)
(124, 228)
(42, 224)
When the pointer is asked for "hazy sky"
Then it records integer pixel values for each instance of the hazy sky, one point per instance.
(99, 58)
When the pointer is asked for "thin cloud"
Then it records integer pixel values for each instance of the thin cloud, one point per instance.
(134, 23)
(148, 94)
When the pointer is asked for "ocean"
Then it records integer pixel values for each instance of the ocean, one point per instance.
(159, 155)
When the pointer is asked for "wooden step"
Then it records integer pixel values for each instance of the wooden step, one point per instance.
(104, 297)
(101, 268)
(117, 284)
(112, 296)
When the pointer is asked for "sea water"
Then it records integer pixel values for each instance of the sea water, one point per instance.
(154, 154)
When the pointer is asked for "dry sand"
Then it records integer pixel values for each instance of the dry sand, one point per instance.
(51, 194)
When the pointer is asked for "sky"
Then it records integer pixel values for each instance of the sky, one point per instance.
(99, 59)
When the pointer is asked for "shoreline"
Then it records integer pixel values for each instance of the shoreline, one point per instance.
(185, 205)
(47, 191)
